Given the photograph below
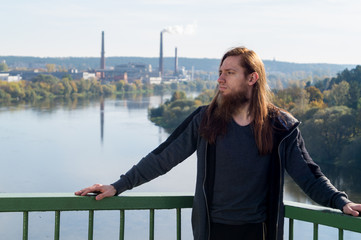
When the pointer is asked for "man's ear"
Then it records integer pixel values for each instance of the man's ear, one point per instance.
(252, 78)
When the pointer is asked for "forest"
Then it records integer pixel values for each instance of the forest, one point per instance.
(329, 111)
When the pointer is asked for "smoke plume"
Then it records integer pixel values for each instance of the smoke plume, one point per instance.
(180, 29)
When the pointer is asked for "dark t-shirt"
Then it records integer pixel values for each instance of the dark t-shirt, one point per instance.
(240, 184)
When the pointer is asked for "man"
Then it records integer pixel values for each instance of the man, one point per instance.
(244, 143)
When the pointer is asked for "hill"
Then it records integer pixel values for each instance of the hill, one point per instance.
(279, 73)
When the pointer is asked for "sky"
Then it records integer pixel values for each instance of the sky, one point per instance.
(301, 31)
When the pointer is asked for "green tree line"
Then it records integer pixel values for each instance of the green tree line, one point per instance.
(170, 114)
(47, 86)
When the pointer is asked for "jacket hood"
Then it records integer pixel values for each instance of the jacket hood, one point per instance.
(284, 120)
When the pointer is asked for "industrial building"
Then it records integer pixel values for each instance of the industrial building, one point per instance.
(6, 77)
(132, 72)
(129, 72)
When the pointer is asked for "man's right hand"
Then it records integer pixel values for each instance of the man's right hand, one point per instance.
(103, 190)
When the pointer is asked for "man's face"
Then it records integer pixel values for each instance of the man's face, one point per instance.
(232, 77)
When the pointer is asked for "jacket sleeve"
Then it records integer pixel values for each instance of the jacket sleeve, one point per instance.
(307, 174)
(178, 146)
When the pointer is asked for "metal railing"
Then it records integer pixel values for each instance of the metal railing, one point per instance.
(60, 202)
(320, 216)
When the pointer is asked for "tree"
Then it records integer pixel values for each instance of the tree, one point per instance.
(45, 78)
(96, 87)
(15, 90)
(30, 94)
(174, 86)
(67, 87)
(353, 77)
(68, 76)
(315, 94)
(138, 84)
(3, 67)
(200, 85)
(74, 86)
(294, 99)
(130, 87)
(339, 94)
(206, 96)
(159, 88)
(351, 153)
(50, 67)
(4, 96)
(58, 89)
(178, 95)
(328, 131)
(108, 89)
(83, 86)
(315, 97)
(120, 85)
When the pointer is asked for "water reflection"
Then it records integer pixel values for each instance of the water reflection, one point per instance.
(101, 120)
(343, 178)
(49, 105)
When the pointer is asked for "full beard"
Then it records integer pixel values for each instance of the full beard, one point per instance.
(228, 105)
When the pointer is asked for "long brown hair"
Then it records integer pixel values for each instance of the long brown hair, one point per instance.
(213, 125)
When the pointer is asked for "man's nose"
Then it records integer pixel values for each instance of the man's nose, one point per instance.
(221, 79)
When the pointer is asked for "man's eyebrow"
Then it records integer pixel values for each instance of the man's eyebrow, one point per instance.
(227, 69)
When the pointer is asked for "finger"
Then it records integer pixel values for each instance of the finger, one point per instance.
(355, 210)
(80, 192)
(357, 207)
(108, 191)
(349, 210)
(93, 188)
(355, 213)
(100, 196)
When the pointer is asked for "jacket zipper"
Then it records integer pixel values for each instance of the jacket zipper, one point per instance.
(280, 178)
(204, 192)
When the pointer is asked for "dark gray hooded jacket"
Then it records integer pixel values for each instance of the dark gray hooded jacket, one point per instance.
(289, 153)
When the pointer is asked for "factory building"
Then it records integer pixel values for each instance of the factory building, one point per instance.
(129, 72)
(6, 77)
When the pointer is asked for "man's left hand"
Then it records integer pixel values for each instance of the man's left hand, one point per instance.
(353, 209)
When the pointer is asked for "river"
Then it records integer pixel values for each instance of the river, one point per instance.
(62, 146)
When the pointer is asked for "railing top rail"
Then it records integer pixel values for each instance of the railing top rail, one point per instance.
(322, 215)
(24, 202)
(20, 202)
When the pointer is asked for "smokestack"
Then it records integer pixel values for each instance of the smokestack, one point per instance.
(161, 54)
(176, 62)
(102, 59)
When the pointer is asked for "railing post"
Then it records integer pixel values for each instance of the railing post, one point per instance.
(290, 229)
(315, 231)
(151, 224)
(57, 225)
(121, 227)
(25, 225)
(179, 224)
(340, 234)
(91, 225)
